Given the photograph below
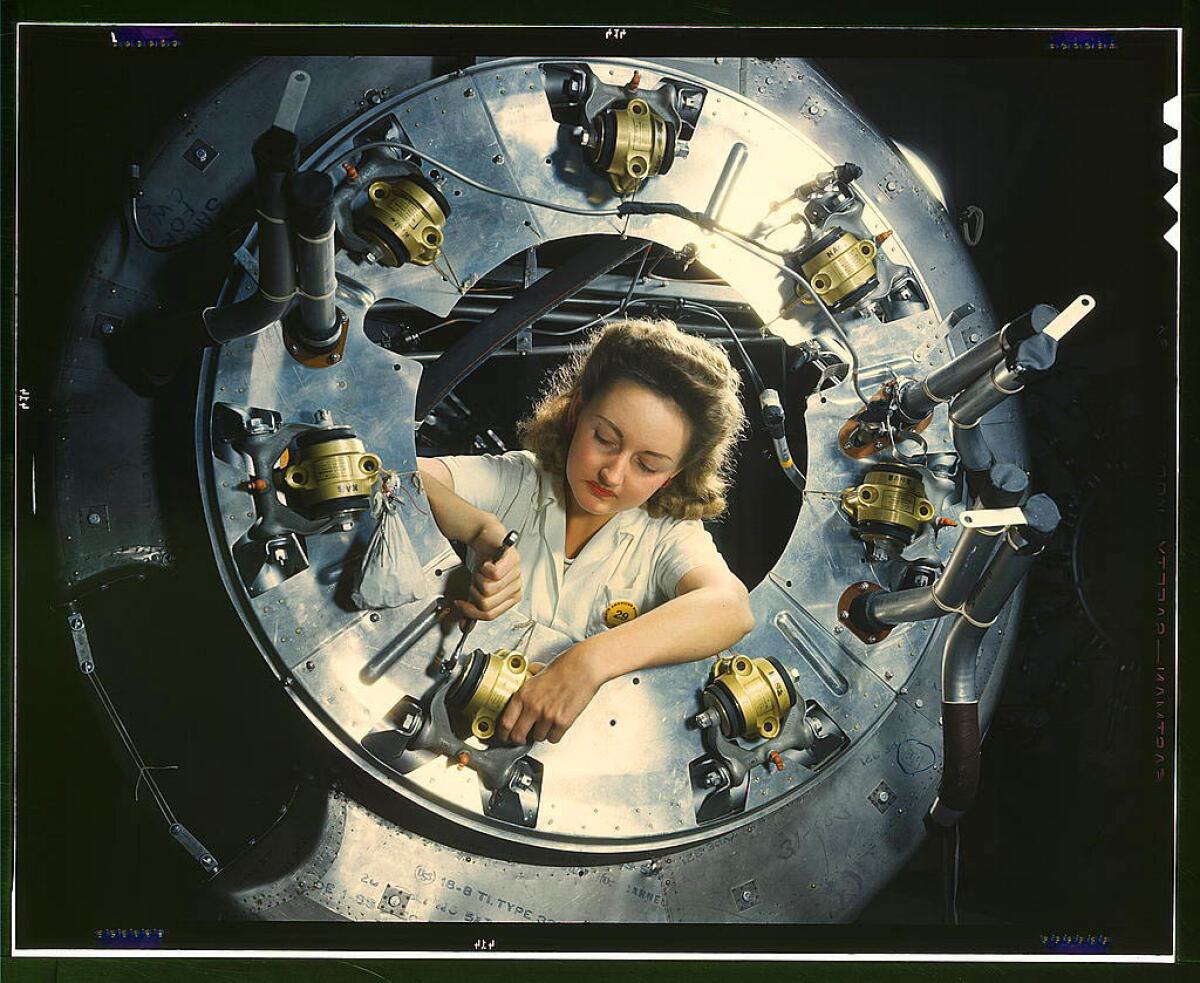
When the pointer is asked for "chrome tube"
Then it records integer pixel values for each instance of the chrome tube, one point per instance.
(387, 657)
(729, 175)
(311, 202)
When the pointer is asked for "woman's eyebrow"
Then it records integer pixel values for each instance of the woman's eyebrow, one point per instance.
(665, 457)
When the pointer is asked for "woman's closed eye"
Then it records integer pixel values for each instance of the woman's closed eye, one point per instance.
(611, 443)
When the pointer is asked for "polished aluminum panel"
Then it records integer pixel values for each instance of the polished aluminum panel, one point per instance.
(814, 844)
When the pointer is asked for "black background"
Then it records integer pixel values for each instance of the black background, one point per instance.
(1071, 833)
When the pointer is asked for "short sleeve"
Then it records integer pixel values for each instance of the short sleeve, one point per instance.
(685, 546)
(491, 482)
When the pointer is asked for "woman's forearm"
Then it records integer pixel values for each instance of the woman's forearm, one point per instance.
(457, 518)
(691, 626)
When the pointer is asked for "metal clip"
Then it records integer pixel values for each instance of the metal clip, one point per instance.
(992, 518)
(1076, 311)
(292, 101)
(83, 649)
(194, 847)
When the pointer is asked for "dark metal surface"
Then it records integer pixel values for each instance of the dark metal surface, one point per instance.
(526, 307)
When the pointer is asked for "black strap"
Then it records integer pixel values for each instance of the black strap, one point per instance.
(532, 303)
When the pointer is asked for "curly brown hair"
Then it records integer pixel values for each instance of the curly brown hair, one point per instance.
(692, 372)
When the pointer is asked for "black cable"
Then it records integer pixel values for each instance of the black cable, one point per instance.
(627, 208)
(137, 228)
(136, 192)
(757, 249)
(594, 321)
(636, 277)
(713, 312)
(954, 888)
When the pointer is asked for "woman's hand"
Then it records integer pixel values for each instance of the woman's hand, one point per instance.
(550, 701)
(495, 587)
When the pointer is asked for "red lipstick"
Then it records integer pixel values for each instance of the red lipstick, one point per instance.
(600, 491)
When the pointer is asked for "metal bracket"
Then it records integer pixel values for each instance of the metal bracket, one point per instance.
(1076, 311)
(524, 340)
(292, 101)
(83, 648)
(193, 846)
(87, 665)
(992, 518)
(511, 779)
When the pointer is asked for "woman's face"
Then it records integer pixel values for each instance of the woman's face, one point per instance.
(628, 442)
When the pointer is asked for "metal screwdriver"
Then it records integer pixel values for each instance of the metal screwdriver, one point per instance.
(510, 540)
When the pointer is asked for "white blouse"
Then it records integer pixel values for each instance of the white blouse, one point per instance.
(633, 558)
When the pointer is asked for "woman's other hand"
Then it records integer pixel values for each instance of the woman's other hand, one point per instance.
(495, 586)
(550, 701)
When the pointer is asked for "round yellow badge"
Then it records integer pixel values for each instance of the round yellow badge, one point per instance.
(619, 612)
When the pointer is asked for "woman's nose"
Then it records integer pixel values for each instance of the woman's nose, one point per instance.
(613, 471)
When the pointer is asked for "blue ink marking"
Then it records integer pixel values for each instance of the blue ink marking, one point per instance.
(914, 756)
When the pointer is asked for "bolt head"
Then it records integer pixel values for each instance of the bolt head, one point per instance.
(334, 358)
(919, 702)
(747, 895)
(838, 629)
(872, 638)
(107, 327)
(94, 519)
(844, 615)
(200, 154)
(883, 795)
(498, 159)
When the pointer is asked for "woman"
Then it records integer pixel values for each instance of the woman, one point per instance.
(628, 448)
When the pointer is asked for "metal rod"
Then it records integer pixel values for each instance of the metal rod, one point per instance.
(387, 657)
(729, 175)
